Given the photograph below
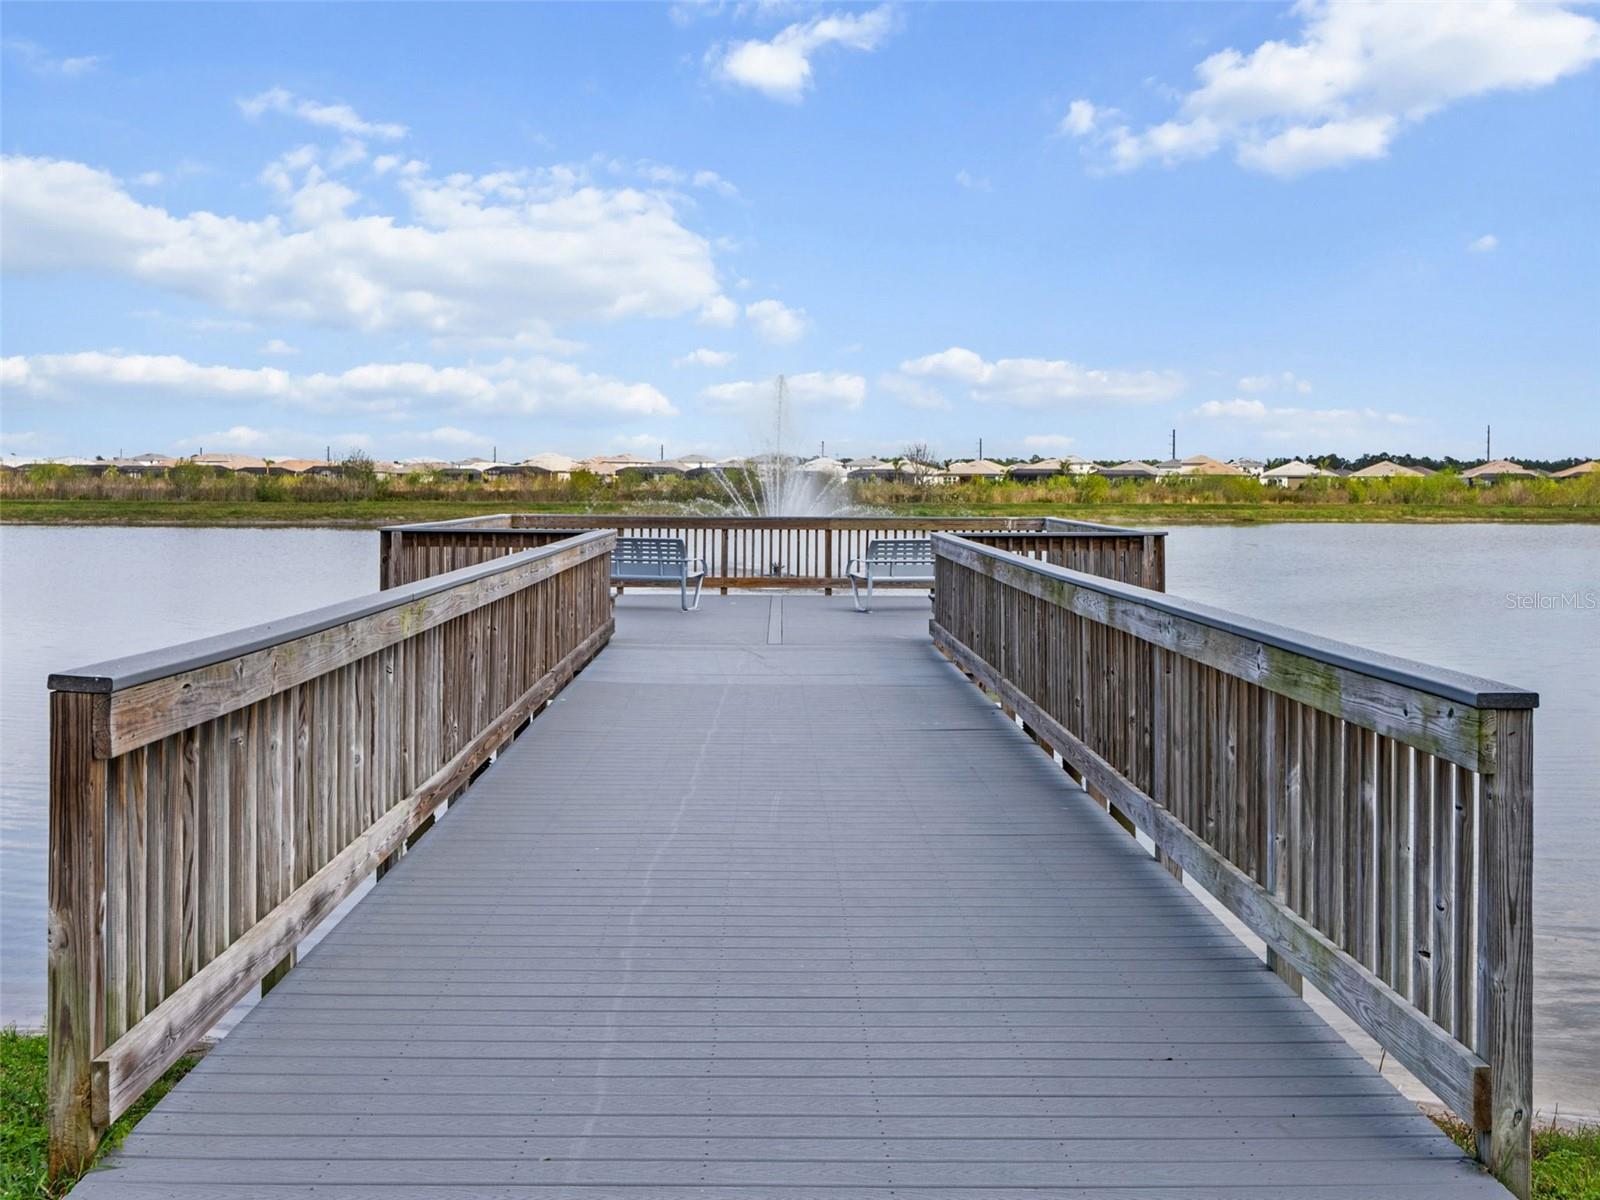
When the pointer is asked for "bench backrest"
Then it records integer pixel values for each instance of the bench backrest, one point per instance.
(897, 551)
(649, 556)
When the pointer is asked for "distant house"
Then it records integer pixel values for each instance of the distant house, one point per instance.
(657, 469)
(519, 470)
(1583, 468)
(1290, 474)
(303, 466)
(470, 470)
(824, 466)
(913, 471)
(1133, 469)
(1501, 468)
(241, 464)
(1045, 468)
(1201, 465)
(1389, 470)
(976, 468)
(1250, 466)
(1067, 464)
(549, 463)
(869, 468)
(148, 463)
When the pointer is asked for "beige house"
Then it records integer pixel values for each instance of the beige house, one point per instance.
(976, 468)
(550, 463)
(1583, 468)
(1290, 474)
(1389, 470)
(1132, 469)
(243, 464)
(1500, 468)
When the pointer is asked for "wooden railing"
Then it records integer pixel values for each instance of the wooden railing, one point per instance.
(744, 552)
(1369, 818)
(211, 803)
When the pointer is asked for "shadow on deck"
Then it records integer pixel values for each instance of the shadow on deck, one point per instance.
(771, 902)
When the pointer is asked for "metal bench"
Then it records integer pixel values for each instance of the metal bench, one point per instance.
(659, 560)
(889, 558)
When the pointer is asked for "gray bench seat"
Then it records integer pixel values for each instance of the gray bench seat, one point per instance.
(903, 559)
(659, 560)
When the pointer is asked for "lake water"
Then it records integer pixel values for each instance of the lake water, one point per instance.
(1450, 595)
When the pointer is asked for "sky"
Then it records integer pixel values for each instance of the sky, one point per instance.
(470, 230)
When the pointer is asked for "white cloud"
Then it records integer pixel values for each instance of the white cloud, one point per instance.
(278, 346)
(1483, 245)
(777, 322)
(486, 255)
(704, 358)
(339, 117)
(1048, 441)
(1358, 74)
(719, 311)
(41, 62)
(510, 386)
(1039, 382)
(1291, 424)
(973, 183)
(781, 68)
(1080, 120)
(1284, 380)
(822, 389)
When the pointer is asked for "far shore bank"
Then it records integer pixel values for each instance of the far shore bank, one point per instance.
(371, 514)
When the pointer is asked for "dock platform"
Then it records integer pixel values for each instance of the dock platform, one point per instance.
(771, 902)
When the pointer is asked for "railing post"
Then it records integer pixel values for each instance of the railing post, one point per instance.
(1505, 972)
(76, 1018)
(1284, 780)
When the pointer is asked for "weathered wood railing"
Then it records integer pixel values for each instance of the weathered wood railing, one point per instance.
(211, 803)
(743, 552)
(1369, 818)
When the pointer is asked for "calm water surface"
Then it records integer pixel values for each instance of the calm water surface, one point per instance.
(69, 597)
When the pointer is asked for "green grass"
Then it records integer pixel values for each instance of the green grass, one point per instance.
(1566, 1161)
(393, 511)
(24, 1145)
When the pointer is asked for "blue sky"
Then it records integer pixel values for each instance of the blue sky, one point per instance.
(434, 230)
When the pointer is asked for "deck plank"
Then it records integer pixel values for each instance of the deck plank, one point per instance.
(770, 902)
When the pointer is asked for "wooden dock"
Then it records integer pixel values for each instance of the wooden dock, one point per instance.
(771, 902)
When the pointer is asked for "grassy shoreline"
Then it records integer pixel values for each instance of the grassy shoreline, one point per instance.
(24, 1139)
(367, 514)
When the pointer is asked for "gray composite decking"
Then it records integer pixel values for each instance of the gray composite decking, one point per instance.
(772, 903)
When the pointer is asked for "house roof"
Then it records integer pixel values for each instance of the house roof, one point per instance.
(297, 465)
(1499, 466)
(1294, 469)
(979, 467)
(1045, 466)
(1131, 467)
(231, 462)
(1583, 468)
(552, 462)
(1388, 470)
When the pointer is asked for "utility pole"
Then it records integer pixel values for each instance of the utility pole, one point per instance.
(327, 452)
(980, 448)
(494, 453)
(1488, 431)
(1174, 453)
(663, 452)
(822, 449)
